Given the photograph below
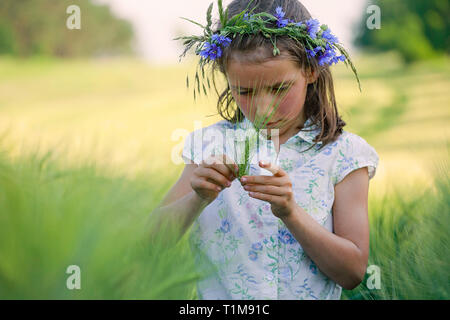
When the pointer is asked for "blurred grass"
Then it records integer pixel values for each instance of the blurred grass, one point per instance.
(409, 241)
(118, 112)
(52, 217)
(86, 154)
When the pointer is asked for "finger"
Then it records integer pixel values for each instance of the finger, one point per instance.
(276, 170)
(222, 169)
(276, 200)
(203, 184)
(214, 176)
(230, 163)
(270, 180)
(273, 190)
(222, 164)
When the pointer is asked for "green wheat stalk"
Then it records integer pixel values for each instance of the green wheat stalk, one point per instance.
(245, 150)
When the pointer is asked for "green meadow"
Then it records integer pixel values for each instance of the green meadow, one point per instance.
(87, 149)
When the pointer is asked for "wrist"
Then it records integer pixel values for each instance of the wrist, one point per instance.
(199, 201)
(292, 216)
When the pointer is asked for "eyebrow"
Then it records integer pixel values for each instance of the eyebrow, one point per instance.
(276, 85)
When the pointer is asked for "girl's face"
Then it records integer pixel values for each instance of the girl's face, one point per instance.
(254, 88)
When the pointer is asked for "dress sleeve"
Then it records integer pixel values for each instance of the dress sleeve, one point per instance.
(202, 143)
(188, 153)
(354, 153)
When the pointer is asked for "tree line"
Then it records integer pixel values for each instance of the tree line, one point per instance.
(38, 27)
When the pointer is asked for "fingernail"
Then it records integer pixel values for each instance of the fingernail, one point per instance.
(228, 183)
(243, 179)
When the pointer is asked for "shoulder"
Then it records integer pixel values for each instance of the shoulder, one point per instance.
(205, 141)
(350, 152)
(219, 126)
(350, 139)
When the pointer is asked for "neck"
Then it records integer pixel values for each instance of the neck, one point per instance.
(290, 129)
(285, 134)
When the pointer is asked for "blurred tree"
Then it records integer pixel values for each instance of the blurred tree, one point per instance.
(418, 29)
(38, 27)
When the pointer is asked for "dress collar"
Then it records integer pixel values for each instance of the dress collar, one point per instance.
(312, 131)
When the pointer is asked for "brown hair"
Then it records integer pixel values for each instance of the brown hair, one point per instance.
(320, 102)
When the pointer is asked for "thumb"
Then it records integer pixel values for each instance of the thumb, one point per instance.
(276, 170)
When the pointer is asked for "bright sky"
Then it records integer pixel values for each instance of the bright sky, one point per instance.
(156, 23)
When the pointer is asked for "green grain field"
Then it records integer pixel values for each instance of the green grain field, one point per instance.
(87, 149)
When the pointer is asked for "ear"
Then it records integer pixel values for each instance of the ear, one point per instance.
(312, 76)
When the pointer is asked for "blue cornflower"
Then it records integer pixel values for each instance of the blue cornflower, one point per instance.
(279, 14)
(313, 26)
(211, 51)
(221, 40)
(329, 57)
(205, 51)
(336, 59)
(246, 16)
(327, 35)
(312, 53)
(282, 23)
(225, 226)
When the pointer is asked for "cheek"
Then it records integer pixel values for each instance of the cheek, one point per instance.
(292, 103)
(243, 103)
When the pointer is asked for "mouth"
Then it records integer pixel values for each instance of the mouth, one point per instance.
(272, 123)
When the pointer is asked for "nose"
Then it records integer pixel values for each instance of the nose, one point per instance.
(265, 105)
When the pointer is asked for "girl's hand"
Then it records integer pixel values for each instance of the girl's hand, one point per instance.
(212, 176)
(276, 189)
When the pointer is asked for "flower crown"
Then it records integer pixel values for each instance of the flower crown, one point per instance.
(317, 39)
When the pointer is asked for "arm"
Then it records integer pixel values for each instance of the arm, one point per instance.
(179, 208)
(197, 187)
(342, 255)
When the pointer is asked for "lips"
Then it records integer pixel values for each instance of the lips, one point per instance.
(271, 123)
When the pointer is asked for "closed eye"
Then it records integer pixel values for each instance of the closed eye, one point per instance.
(280, 89)
(274, 89)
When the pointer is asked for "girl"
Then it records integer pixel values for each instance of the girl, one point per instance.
(302, 231)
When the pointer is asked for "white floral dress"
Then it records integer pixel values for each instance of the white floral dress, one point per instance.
(252, 253)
